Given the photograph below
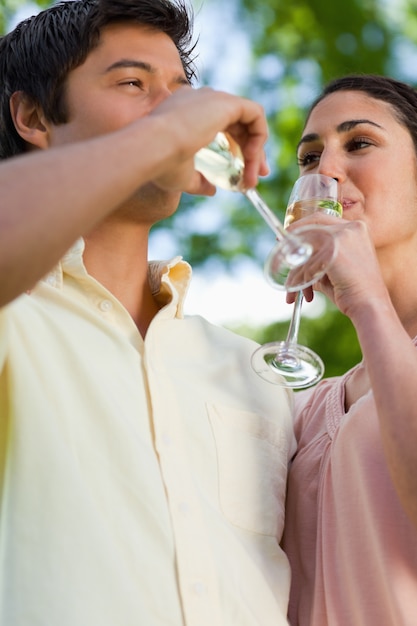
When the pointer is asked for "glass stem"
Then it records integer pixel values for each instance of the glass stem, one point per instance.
(294, 247)
(292, 336)
(265, 212)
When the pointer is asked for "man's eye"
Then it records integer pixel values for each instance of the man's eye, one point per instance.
(134, 82)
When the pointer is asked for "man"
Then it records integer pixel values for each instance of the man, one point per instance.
(143, 462)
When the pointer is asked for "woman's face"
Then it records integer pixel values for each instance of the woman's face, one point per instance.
(358, 140)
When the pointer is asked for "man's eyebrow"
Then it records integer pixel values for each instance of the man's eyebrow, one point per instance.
(130, 63)
(341, 128)
(142, 65)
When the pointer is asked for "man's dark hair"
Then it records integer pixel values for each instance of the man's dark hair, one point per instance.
(38, 54)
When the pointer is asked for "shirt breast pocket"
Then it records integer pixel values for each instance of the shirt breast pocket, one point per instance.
(252, 455)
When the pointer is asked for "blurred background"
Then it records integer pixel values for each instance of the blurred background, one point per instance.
(279, 53)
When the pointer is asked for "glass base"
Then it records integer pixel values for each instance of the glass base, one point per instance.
(281, 269)
(288, 364)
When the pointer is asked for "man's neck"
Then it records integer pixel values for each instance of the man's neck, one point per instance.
(118, 260)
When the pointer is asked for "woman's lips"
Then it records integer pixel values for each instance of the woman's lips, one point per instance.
(347, 204)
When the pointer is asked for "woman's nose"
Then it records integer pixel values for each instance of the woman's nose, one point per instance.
(330, 165)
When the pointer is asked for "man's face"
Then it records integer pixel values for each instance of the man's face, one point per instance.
(132, 70)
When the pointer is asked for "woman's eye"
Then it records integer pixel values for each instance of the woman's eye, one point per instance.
(358, 144)
(308, 158)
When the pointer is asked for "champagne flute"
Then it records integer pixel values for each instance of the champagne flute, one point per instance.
(287, 362)
(301, 257)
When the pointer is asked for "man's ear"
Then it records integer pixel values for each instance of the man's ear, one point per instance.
(29, 120)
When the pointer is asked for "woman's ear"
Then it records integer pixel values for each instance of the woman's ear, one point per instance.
(29, 120)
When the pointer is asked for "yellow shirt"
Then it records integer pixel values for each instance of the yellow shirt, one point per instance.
(142, 482)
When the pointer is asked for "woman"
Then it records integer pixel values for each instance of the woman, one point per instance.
(351, 525)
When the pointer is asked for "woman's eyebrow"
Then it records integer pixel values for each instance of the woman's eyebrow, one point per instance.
(349, 124)
(340, 128)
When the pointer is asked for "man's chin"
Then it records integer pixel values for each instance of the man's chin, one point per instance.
(153, 191)
(157, 203)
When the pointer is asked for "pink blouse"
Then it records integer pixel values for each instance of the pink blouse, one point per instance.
(352, 550)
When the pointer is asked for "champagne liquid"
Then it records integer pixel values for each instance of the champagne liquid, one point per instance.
(221, 162)
(301, 208)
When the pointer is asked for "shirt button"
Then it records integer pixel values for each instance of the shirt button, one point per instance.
(51, 280)
(199, 588)
(184, 508)
(166, 440)
(105, 305)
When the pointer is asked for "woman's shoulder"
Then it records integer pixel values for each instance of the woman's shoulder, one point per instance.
(319, 408)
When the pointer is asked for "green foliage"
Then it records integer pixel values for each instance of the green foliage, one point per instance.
(338, 37)
(331, 335)
(8, 8)
(298, 46)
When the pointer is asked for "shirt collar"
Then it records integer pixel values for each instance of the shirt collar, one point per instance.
(169, 280)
